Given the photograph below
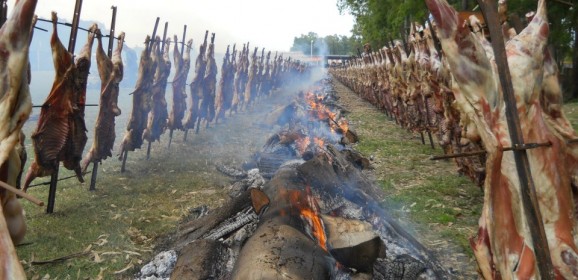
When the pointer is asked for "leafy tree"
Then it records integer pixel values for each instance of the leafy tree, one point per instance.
(331, 44)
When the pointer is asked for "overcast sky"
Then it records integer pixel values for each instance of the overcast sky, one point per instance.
(269, 24)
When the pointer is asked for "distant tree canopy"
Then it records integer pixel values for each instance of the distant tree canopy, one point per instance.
(378, 21)
(331, 44)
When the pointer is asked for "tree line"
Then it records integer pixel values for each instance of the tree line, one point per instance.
(377, 22)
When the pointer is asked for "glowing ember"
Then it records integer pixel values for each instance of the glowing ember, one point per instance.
(302, 144)
(344, 125)
(319, 142)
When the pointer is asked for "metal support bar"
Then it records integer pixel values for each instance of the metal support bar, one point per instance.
(74, 30)
(154, 34)
(112, 26)
(59, 179)
(85, 105)
(183, 40)
(527, 188)
(477, 153)
(164, 36)
(93, 177)
(3, 12)
(52, 191)
(124, 157)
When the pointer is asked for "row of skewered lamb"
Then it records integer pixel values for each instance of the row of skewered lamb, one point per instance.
(60, 135)
(240, 84)
(459, 98)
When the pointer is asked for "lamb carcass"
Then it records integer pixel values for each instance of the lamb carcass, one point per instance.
(132, 139)
(61, 134)
(182, 67)
(158, 115)
(503, 247)
(111, 72)
(15, 107)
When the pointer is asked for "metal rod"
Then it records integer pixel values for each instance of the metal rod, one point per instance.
(21, 193)
(85, 105)
(52, 190)
(93, 177)
(124, 157)
(527, 188)
(477, 153)
(59, 179)
(183, 41)
(69, 25)
(112, 26)
(564, 2)
(36, 27)
(74, 30)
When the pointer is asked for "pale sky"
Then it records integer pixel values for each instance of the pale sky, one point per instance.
(269, 24)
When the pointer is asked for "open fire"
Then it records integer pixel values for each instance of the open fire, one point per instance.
(317, 217)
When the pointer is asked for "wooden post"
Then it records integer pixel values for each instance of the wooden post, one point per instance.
(527, 188)
(74, 28)
(111, 35)
(93, 177)
(52, 190)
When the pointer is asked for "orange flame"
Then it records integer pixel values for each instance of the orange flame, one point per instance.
(319, 142)
(305, 205)
(344, 125)
(302, 144)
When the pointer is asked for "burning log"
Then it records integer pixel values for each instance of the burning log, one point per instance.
(353, 243)
(200, 228)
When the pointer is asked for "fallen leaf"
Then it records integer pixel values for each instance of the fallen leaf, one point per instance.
(129, 266)
(97, 258)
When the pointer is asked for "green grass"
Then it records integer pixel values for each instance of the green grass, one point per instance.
(428, 197)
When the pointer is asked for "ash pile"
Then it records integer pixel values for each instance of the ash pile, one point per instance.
(301, 208)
